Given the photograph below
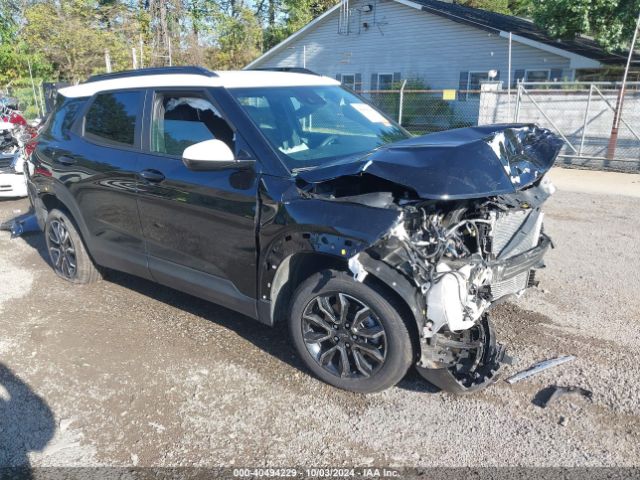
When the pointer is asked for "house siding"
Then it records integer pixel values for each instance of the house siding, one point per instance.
(414, 43)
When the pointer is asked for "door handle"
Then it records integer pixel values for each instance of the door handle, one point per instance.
(152, 175)
(65, 160)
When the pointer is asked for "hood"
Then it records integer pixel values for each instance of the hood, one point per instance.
(456, 164)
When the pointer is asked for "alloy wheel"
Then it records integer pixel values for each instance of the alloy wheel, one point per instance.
(344, 336)
(61, 249)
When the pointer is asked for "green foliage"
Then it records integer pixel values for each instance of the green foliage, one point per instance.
(499, 6)
(610, 22)
(73, 36)
(239, 39)
(296, 14)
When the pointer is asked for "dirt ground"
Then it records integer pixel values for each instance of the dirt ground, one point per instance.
(125, 372)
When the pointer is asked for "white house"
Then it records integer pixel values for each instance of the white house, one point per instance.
(370, 44)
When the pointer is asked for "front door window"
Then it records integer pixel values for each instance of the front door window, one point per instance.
(180, 121)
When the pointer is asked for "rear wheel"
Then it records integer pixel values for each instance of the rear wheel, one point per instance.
(348, 334)
(67, 252)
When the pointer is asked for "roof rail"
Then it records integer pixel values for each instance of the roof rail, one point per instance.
(287, 69)
(141, 72)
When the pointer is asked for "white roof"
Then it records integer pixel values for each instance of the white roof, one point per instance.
(226, 79)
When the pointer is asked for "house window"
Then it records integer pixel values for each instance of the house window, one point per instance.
(537, 75)
(385, 81)
(475, 80)
(349, 81)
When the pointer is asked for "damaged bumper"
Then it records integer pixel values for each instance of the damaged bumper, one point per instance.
(525, 262)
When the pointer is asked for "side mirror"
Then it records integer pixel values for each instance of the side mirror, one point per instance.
(208, 155)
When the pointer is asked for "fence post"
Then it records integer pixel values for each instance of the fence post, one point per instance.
(518, 97)
(404, 84)
(586, 119)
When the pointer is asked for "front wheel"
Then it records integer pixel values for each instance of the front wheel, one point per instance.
(348, 334)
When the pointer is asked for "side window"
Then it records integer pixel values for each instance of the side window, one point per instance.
(537, 75)
(112, 118)
(183, 120)
(475, 83)
(385, 81)
(63, 116)
(349, 81)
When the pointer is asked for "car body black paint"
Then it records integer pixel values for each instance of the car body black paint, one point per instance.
(223, 234)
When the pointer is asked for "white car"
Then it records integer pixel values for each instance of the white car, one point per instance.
(12, 165)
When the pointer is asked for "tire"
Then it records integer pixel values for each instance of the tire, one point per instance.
(67, 251)
(370, 333)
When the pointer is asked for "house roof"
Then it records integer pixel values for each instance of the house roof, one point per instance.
(523, 31)
(492, 21)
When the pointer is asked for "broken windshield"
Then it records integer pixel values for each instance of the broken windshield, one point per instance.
(313, 126)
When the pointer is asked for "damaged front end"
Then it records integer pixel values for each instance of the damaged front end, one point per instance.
(458, 253)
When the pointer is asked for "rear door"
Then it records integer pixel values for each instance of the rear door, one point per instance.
(99, 165)
(199, 226)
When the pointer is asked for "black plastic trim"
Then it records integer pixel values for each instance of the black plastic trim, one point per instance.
(202, 285)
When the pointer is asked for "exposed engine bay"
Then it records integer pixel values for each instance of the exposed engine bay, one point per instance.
(461, 256)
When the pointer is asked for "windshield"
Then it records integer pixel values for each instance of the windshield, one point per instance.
(313, 126)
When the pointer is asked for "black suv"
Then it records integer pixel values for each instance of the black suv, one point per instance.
(284, 196)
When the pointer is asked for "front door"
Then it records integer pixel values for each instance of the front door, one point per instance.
(199, 226)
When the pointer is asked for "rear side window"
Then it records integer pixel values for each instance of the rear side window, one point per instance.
(112, 118)
(63, 116)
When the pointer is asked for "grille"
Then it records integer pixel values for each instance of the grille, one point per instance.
(505, 229)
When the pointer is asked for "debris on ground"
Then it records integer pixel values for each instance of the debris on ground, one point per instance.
(547, 395)
(539, 367)
(25, 223)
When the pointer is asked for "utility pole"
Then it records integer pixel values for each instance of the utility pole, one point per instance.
(617, 113)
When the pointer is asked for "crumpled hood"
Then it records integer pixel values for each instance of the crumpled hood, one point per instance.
(456, 164)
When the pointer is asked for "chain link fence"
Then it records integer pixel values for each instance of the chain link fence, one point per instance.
(581, 113)
(425, 111)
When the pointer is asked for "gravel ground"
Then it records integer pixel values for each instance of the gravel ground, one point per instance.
(125, 372)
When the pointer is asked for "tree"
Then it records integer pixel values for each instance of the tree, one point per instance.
(499, 6)
(69, 37)
(610, 22)
(296, 14)
(239, 38)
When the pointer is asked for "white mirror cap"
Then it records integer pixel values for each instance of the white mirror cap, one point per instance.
(209, 151)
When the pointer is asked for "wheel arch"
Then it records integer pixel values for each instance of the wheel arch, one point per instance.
(61, 200)
(298, 266)
(292, 271)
